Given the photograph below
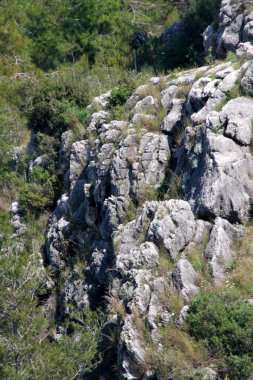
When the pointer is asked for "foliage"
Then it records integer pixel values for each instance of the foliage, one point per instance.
(28, 347)
(58, 103)
(39, 193)
(120, 94)
(179, 355)
(186, 48)
(225, 325)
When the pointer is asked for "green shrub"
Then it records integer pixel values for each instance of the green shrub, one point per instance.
(225, 325)
(28, 348)
(58, 104)
(40, 192)
(120, 94)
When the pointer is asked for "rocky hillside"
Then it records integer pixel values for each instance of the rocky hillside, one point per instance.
(156, 210)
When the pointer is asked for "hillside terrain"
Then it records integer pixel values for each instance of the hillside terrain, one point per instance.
(126, 199)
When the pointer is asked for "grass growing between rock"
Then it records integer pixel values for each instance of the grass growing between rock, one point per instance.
(178, 354)
(200, 263)
(240, 274)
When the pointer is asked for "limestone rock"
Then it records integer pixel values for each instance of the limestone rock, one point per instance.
(245, 51)
(219, 250)
(173, 226)
(168, 95)
(237, 116)
(78, 159)
(172, 122)
(247, 82)
(184, 279)
(16, 223)
(218, 175)
(144, 105)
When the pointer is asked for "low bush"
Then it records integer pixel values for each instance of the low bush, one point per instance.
(121, 93)
(225, 325)
(40, 192)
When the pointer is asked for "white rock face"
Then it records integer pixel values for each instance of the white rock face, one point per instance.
(218, 180)
(237, 116)
(184, 279)
(16, 223)
(173, 226)
(219, 251)
(247, 81)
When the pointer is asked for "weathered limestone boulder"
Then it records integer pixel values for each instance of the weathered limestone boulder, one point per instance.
(55, 247)
(97, 119)
(144, 105)
(204, 96)
(65, 149)
(135, 167)
(219, 248)
(103, 99)
(143, 119)
(19, 228)
(235, 26)
(157, 309)
(218, 174)
(248, 26)
(172, 227)
(78, 160)
(134, 353)
(168, 95)
(184, 279)
(247, 82)
(172, 122)
(41, 161)
(182, 316)
(144, 257)
(237, 116)
(245, 51)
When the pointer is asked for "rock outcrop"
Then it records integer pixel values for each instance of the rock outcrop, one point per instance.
(121, 211)
(235, 26)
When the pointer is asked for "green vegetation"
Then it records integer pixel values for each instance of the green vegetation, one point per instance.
(225, 326)
(30, 346)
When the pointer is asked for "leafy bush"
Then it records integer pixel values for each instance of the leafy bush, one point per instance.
(225, 325)
(39, 192)
(58, 103)
(120, 94)
(28, 348)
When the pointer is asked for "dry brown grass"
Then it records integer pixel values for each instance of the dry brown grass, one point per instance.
(116, 306)
(177, 351)
(6, 198)
(240, 276)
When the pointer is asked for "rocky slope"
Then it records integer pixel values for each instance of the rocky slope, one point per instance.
(141, 194)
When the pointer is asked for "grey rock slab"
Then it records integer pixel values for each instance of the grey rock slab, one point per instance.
(174, 117)
(237, 116)
(157, 309)
(184, 279)
(79, 158)
(146, 256)
(142, 118)
(245, 50)
(173, 226)
(219, 249)
(218, 176)
(65, 149)
(247, 81)
(97, 119)
(248, 28)
(145, 104)
(168, 95)
(182, 315)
